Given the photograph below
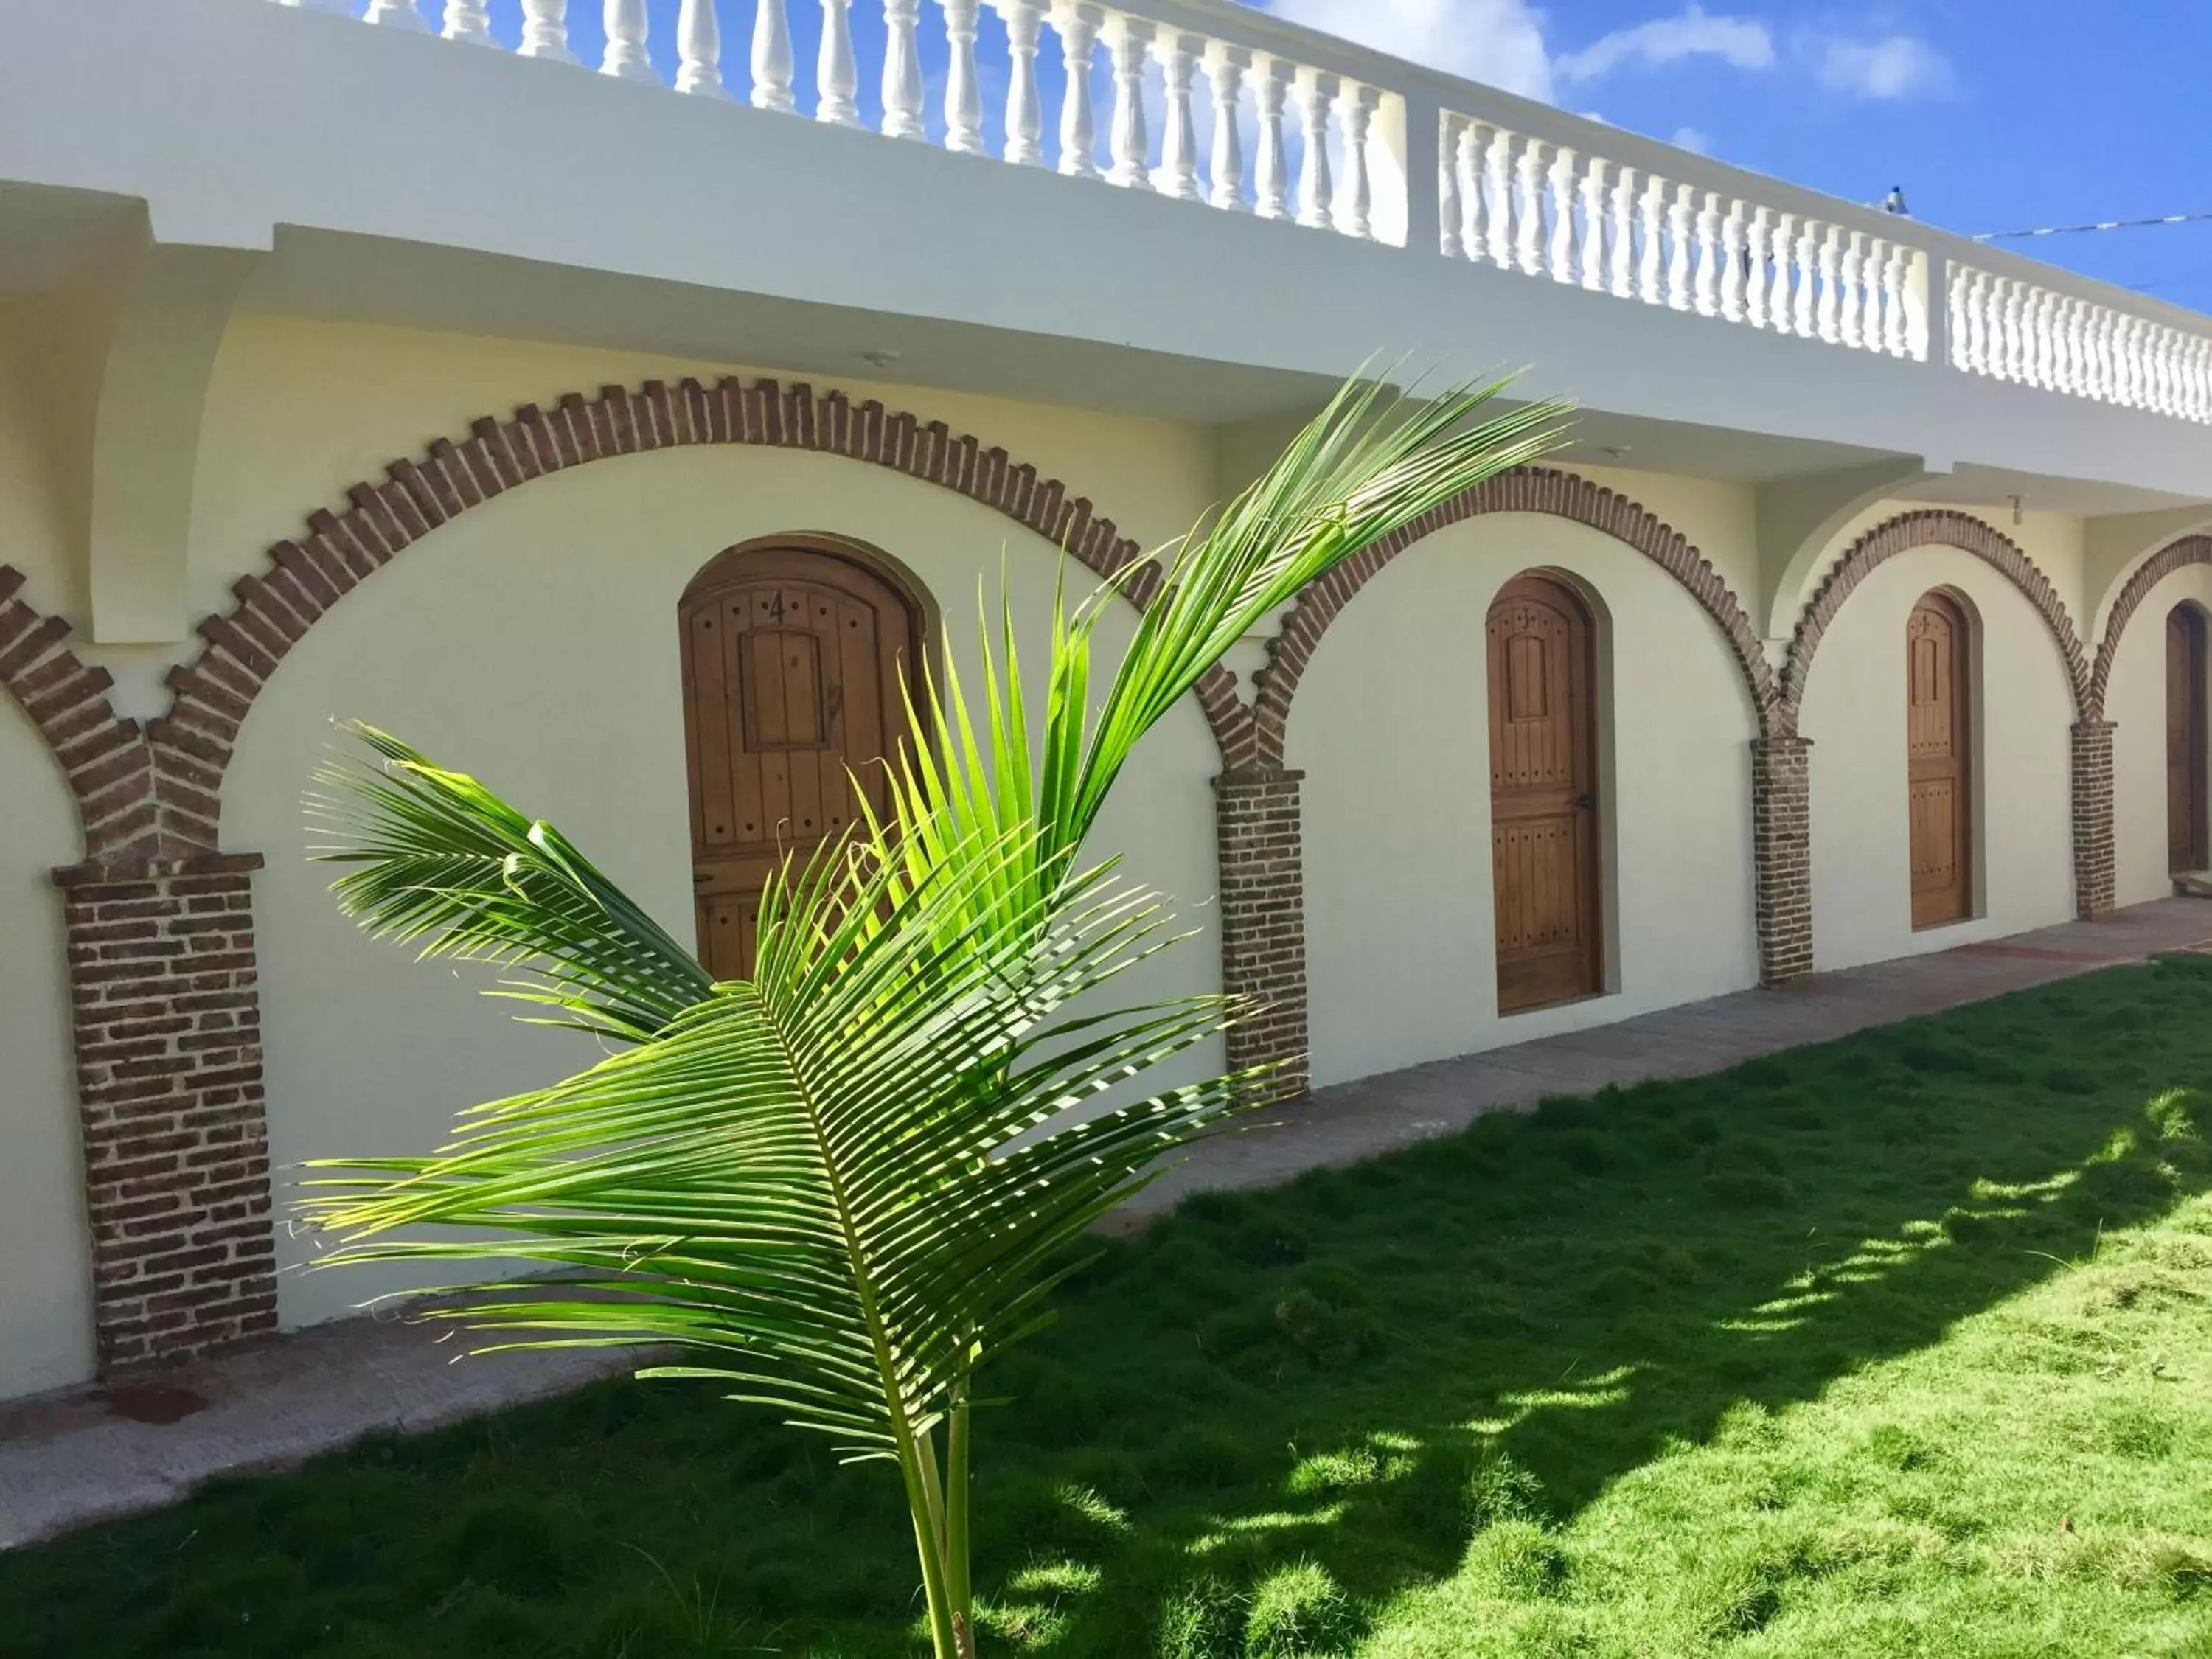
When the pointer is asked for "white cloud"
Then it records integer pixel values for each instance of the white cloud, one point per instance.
(1897, 66)
(1693, 139)
(1742, 42)
(1498, 42)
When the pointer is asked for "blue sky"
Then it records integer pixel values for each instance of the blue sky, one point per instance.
(1992, 114)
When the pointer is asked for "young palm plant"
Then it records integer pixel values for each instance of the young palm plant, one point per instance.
(840, 1187)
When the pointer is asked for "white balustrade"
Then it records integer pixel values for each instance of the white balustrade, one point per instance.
(837, 74)
(698, 50)
(1558, 204)
(625, 57)
(545, 31)
(964, 99)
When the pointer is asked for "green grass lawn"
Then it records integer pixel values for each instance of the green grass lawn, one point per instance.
(1899, 1346)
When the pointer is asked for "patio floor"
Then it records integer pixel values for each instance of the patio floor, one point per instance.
(69, 1458)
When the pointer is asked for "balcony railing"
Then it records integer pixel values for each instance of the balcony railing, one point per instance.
(1305, 128)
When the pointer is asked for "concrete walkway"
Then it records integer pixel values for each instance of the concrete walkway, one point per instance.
(69, 1459)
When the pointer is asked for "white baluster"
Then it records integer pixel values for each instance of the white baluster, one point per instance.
(1831, 279)
(1271, 181)
(1804, 307)
(1497, 185)
(699, 50)
(1315, 93)
(1560, 183)
(1528, 209)
(837, 77)
(1650, 271)
(771, 54)
(1474, 211)
(1355, 203)
(1898, 322)
(2200, 389)
(1178, 55)
(902, 70)
(396, 15)
(963, 103)
(1449, 212)
(2168, 403)
(1875, 304)
(1623, 215)
(1129, 43)
(1706, 286)
(2100, 353)
(1849, 302)
(1781, 249)
(1593, 249)
(467, 20)
(1024, 123)
(1680, 240)
(1757, 235)
(2017, 346)
(1735, 260)
(1225, 69)
(1971, 289)
(2072, 343)
(2049, 372)
(2114, 344)
(625, 57)
(1077, 28)
(545, 31)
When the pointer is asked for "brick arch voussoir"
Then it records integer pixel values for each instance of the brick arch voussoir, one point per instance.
(210, 696)
(1524, 489)
(104, 756)
(1932, 527)
(2174, 556)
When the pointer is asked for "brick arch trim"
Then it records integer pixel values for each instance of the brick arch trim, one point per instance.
(1934, 527)
(2174, 556)
(1523, 489)
(104, 757)
(191, 744)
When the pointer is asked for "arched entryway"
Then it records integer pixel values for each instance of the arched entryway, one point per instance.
(2185, 838)
(801, 655)
(1546, 891)
(1939, 759)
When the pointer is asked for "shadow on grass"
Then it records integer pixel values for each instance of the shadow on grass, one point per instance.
(1329, 1373)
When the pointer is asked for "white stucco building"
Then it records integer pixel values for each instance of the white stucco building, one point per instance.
(349, 370)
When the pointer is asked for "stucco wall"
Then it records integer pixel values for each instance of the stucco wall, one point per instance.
(45, 1308)
(1854, 712)
(1389, 726)
(2134, 700)
(534, 641)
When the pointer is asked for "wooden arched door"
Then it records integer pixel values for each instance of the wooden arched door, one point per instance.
(798, 655)
(1543, 795)
(1939, 760)
(2185, 847)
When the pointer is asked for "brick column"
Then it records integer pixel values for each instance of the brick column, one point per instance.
(2093, 819)
(166, 1024)
(1263, 919)
(1782, 856)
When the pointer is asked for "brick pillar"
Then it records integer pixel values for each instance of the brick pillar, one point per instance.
(2093, 819)
(1263, 919)
(1782, 856)
(167, 1024)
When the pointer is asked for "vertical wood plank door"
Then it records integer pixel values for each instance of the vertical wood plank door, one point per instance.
(2185, 848)
(1543, 795)
(797, 659)
(1938, 724)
